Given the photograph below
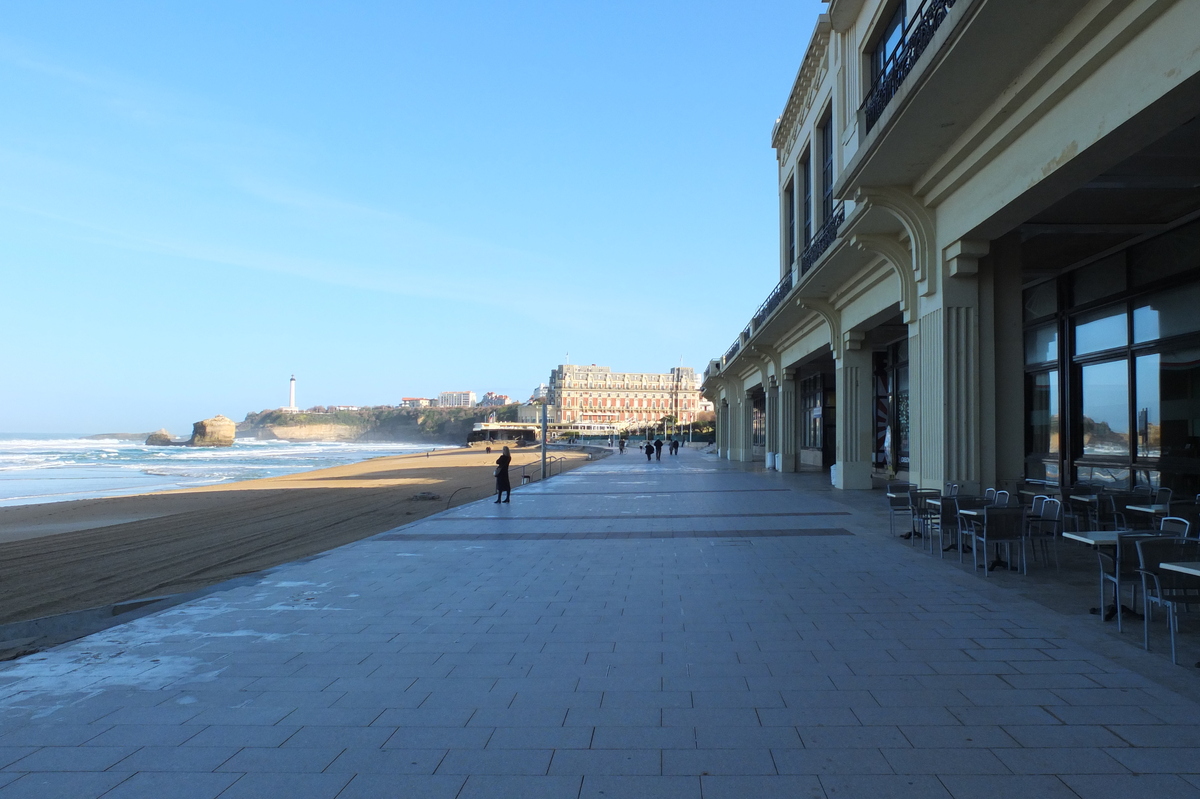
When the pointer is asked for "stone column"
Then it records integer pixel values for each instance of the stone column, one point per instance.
(787, 422)
(721, 412)
(772, 424)
(746, 428)
(855, 413)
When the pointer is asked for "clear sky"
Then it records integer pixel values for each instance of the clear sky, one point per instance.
(387, 199)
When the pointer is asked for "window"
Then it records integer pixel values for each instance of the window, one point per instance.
(1105, 404)
(1101, 330)
(827, 167)
(811, 401)
(1168, 402)
(789, 221)
(890, 42)
(1041, 344)
(1167, 314)
(807, 194)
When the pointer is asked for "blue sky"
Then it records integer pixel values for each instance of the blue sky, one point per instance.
(387, 199)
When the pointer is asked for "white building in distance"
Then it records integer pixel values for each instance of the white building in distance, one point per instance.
(456, 399)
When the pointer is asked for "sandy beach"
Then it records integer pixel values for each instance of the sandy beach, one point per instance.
(67, 556)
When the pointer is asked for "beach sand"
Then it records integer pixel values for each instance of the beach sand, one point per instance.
(67, 556)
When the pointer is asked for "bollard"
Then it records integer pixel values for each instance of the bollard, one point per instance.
(524, 479)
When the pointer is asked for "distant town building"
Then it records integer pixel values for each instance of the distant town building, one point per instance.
(597, 394)
(415, 402)
(343, 408)
(456, 399)
(491, 399)
(532, 412)
(540, 392)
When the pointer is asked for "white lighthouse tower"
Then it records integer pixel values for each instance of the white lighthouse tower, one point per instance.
(292, 396)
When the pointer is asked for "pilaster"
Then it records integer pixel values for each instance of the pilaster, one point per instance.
(855, 413)
(786, 459)
(773, 424)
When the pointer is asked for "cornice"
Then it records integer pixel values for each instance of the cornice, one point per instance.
(805, 89)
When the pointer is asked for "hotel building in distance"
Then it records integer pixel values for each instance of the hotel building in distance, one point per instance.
(598, 395)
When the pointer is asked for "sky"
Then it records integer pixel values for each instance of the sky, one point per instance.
(386, 199)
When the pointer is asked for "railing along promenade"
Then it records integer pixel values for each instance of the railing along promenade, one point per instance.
(824, 238)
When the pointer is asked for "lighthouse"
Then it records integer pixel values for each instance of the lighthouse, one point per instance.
(292, 394)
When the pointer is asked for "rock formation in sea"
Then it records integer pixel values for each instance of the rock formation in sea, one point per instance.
(219, 431)
(159, 438)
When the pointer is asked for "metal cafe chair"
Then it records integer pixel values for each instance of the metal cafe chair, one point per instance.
(1000, 525)
(922, 511)
(1174, 525)
(1163, 587)
(899, 502)
(1002, 498)
(1045, 528)
(1119, 566)
(941, 524)
(991, 493)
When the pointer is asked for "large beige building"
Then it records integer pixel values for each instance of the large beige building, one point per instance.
(990, 250)
(596, 394)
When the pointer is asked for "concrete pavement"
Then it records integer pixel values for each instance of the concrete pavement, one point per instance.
(683, 628)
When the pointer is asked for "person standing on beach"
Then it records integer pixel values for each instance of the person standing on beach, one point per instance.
(658, 445)
(502, 484)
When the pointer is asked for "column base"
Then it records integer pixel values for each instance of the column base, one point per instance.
(853, 476)
(770, 463)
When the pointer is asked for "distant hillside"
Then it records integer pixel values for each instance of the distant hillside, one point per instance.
(435, 425)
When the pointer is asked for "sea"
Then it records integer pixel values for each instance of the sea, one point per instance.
(50, 468)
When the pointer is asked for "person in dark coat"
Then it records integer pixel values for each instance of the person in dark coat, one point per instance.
(649, 450)
(658, 445)
(502, 484)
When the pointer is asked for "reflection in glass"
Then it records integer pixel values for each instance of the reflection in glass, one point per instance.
(1101, 330)
(1041, 344)
(1110, 477)
(1041, 300)
(1168, 402)
(1167, 314)
(1043, 413)
(1101, 279)
(1106, 408)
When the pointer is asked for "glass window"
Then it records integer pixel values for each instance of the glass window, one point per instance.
(1107, 476)
(827, 167)
(1041, 300)
(806, 192)
(1101, 279)
(789, 217)
(1168, 403)
(1106, 408)
(1101, 330)
(1166, 255)
(889, 42)
(1041, 344)
(902, 421)
(1167, 314)
(811, 397)
(1043, 413)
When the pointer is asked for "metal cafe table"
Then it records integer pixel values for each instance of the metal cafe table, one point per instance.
(1186, 567)
(1153, 511)
(1104, 538)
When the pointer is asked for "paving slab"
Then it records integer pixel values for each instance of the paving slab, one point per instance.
(680, 628)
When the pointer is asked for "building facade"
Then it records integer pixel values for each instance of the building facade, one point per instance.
(989, 251)
(415, 402)
(456, 399)
(596, 394)
(491, 399)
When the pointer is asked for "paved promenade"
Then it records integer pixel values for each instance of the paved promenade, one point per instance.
(631, 629)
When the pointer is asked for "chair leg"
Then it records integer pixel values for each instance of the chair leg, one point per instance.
(1171, 622)
(1117, 599)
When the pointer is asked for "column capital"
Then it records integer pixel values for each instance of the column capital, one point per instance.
(962, 257)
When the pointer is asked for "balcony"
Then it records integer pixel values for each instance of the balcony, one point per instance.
(772, 301)
(732, 352)
(918, 33)
(822, 241)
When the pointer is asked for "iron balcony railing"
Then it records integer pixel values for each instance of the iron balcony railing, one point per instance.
(732, 351)
(772, 302)
(825, 237)
(918, 33)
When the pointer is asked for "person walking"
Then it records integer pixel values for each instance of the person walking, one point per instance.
(621, 445)
(502, 484)
(649, 450)
(658, 445)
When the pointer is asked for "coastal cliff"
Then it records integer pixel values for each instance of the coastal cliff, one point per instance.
(432, 425)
